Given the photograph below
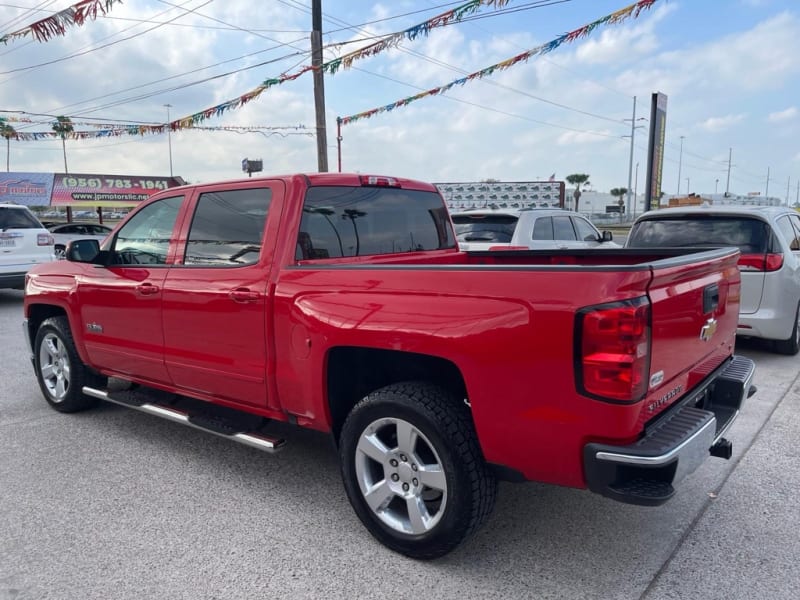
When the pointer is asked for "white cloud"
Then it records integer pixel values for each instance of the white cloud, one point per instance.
(716, 124)
(783, 115)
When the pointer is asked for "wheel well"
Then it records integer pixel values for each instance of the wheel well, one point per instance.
(38, 313)
(355, 372)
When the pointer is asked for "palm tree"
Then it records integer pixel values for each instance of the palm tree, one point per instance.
(63, 126)
(618, 193)
(7, 131)
(578, 179)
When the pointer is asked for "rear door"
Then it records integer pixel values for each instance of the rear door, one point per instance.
(216, 296)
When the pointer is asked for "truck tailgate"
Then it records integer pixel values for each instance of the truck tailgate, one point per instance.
(695, 308)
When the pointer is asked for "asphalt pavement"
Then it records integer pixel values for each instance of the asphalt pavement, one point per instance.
(114, 504)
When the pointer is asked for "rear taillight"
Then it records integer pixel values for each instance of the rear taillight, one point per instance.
(612, 350)
(372, 180)
(761, 262)
(44, 239)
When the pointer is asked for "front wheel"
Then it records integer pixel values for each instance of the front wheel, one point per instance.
(791, 346)
(59, 369)
(413, 469)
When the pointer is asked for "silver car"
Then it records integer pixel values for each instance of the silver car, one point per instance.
(64, 233)
(769, 241)
(534, 228)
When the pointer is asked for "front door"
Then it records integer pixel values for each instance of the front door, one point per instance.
(121, 302)
(216, 298)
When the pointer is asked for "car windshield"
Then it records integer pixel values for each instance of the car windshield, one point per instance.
(751, 236)
(17, 218)
(484, 228)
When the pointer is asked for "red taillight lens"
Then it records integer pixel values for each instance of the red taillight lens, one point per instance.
(44, 239)
(372, 180)
(761, 262)
(613, 350)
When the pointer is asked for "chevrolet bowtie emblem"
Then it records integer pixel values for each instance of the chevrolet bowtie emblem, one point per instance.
(708, 330)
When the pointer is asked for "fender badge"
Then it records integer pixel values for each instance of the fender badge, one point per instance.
(94, 327)
(708, 330)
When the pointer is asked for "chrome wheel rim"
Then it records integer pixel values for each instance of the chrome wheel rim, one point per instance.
(60, 253)
(54, 367)
(401, 476)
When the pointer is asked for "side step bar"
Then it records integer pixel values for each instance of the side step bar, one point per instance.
(252, 439)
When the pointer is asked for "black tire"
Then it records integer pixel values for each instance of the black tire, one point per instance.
(420, 520)
(59, 370)
(60, 251)
(791, 346)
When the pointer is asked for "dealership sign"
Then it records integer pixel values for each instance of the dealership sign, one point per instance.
(79, 189)
(30, 189)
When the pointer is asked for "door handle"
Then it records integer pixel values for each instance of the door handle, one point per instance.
(147, 289)
(243, 295)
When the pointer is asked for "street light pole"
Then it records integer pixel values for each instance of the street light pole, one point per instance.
(630, 159)
(680, 160)
(716, 184)
(169, 138)
(635, 187)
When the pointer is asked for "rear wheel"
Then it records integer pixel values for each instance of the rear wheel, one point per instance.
(59, 369)
(413, 470)
(791, 346)
(60, 252)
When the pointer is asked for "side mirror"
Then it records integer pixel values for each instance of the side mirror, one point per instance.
(608, 236)
(83, 251)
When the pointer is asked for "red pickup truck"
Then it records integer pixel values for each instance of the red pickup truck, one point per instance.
(342, 303)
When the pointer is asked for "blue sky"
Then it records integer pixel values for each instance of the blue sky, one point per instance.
(729, 68)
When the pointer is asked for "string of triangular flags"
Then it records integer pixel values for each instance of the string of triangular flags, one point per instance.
(634, 10)
(57, 24)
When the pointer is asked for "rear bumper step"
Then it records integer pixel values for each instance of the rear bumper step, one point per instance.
(149, 402)
(676, 444)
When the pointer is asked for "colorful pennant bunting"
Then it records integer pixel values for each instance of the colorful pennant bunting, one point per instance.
(634, 10)
(57, 24)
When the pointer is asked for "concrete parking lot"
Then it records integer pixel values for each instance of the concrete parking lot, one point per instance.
(115, 504)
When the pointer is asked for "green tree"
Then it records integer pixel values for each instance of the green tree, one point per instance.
(7, 131)
(578, 179)
(618, 193)
(63, 126)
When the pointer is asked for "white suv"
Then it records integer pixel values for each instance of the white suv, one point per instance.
(534, 228)
(24, 242)
(769, 240)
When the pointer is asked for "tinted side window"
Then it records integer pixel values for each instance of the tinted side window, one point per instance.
(586, 231)
(145, 238)
(543, 228)
(227, 227)
(17, 218)
(788, 233)
(562, 229)
(360, 221)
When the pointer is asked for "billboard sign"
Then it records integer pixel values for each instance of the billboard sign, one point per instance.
(655, 150)
(30, 189)
(80, 189)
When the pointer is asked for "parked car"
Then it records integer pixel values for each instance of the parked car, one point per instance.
(769, 241)
(24, 242)
(64, 233)
(535, 228)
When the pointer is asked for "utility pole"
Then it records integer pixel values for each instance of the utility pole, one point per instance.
(635, 189)
(788, 183)
(687, 186)
(728, 181)
(319, 84)
(680, 160)
(169, 138)
(716, 185)
(630, 160)
(766, 193)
